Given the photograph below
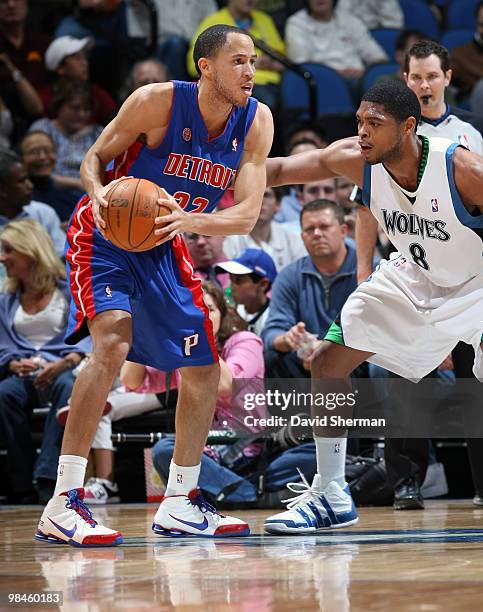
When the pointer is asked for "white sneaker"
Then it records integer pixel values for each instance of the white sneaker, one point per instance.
(67, 520)
(313, 510)
(101, 491)
(187, 515)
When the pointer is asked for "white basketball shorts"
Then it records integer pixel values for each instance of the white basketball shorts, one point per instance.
(410, 323)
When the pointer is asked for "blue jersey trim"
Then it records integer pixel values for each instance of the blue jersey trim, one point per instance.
(366, 186)
(439, 120)
(464, 217)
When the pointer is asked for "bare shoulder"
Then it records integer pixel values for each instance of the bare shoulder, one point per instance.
(149, 103)
(260, 135)
(344, 158)
(468, 176)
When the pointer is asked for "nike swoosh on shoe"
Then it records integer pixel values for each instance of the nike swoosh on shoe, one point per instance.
(200, 526)
(68, 532)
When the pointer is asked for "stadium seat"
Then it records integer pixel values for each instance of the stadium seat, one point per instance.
(387, 37)
(374, 72)
(418, 16)
(333, 96)
(461, 15)
(456, 38)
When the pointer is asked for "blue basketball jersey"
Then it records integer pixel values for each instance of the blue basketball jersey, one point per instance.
(170, 321)
(194, 168)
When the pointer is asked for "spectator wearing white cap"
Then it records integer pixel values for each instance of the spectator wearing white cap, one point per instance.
(66, 59)
(251, 278)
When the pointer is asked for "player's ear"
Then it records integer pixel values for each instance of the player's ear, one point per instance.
(447, 77)
(405, 75)
(410, 125)
(204, 66)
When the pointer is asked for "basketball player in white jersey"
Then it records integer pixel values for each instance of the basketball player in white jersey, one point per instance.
(427, 72)
(428, 196)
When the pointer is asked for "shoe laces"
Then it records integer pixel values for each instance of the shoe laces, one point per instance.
(75, 503)
(200, 502)
(305, 492)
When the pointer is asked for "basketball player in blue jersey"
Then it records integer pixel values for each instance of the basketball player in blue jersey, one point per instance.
(197, 139)
(427, 195)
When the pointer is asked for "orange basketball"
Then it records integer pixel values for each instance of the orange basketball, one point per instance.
(131, 212)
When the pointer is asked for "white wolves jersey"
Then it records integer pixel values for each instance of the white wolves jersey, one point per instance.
(430, 226)
(450, 126)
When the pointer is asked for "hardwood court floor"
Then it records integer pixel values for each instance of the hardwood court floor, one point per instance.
(391, 561)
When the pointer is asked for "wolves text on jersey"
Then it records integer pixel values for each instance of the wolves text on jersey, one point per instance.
(199, 169)
(414, 225)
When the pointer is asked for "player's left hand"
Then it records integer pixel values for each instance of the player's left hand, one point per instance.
(169, 226)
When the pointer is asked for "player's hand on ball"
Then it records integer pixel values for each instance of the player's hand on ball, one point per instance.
(169, 226)
(98, 200)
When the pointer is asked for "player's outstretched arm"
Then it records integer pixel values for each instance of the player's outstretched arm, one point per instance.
(366, 239)
(468, 176)
(341, 158)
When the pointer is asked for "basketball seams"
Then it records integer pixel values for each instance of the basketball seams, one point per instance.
(131, 212)
(111, 225)
(151, 231)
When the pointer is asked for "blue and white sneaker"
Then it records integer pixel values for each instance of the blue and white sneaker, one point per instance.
(314, 510)
(67, 520)
(192, 515)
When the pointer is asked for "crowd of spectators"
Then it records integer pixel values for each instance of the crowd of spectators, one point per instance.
(274, 292)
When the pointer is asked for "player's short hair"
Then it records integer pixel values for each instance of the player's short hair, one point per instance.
(425, 48)
(398, 100)
(8, 158)
(211, 40)
(324, 204)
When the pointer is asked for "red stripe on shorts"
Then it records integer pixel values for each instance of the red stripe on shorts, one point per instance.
(79, 257)
(192, 283)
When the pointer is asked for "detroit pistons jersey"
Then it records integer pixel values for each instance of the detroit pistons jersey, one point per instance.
(194, 168)
(430, 226)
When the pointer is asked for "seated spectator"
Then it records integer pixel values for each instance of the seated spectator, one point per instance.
(291, 205)
(205, 253)
(240, 13)
(282, 244)
(343, 190)
(303, 131)
(16, 199)
(71, 131)
(467, 59)
(35, 363)
(39, 157)
(308, 192)
(251, 278)
(309, 293)
(66, 59)
(22, 69)
(177, 24)
(142, 73)
(105, 22)
(374, 13)
(241, 356)
(339, 40)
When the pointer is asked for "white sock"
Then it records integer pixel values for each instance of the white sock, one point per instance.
(70, 473)
(331, 460)
(182, 479)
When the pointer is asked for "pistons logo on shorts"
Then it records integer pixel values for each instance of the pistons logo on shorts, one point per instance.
(186, 134)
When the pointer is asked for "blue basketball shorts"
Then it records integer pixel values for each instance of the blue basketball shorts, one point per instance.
(171, 327)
